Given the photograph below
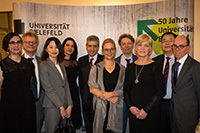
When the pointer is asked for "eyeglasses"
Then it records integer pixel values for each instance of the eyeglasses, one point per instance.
(179, 47)
(107, 50)
(13, 42)
(168, 41)
(30, 42)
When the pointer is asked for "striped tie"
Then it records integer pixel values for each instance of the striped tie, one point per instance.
(166, 71)
(90, 63)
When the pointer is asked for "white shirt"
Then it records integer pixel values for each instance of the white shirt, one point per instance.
(182, 61)
(94, 59)
(59, 69)
(123, 60)
(36, 71)
(169, 78)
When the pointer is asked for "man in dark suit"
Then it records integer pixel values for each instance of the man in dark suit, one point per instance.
(126, 43)
(85, 63)
(165, 62)
(30, 44)
(185, 104)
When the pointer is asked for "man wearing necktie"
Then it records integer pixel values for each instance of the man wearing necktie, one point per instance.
(126, 43)
(30, 45)
(185, 103)
(165, 62)
(85, 63)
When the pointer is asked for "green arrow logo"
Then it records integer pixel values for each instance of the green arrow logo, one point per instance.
(142, 25)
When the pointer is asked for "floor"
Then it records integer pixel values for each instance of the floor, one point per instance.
(80, 131)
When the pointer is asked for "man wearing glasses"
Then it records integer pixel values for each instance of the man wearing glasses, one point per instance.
(30, 45)
(185, 103)
(165, 62)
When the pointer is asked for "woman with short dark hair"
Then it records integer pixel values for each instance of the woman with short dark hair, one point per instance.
(17, 105)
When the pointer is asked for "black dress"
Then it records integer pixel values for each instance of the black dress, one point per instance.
(144, 95)
(17, 105)
(71, 67)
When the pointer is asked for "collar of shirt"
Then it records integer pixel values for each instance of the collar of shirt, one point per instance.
(171, 57)
(27, 56)
(171, 61)
(94, 58)
(124, 57)
(123, 60)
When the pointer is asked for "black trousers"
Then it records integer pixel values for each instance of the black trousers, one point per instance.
(88, 114)
(88, 123)
(165, 121)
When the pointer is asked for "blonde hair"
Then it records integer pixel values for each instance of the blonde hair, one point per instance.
(108, 40)
(143, 38)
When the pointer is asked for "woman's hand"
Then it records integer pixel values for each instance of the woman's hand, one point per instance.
(68, 111)
(134, 110)
(98, 93)
(114, 100)
(106, 95)
(62, 112)
(142, 114)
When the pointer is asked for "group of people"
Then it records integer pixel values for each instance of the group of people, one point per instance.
(38, 89)
(159, 95)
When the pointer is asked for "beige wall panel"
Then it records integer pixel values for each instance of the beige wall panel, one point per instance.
(103, 21)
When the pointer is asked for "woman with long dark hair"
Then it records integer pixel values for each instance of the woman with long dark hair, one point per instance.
(57, 99)
(71, 66)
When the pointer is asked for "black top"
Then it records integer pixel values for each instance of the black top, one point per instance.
(71, 67)
(110, 79)
(146, 95)
(110, 82)
(17, 106)
(148, 91)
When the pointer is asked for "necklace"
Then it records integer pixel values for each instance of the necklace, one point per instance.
(110, 66)
(137, 74)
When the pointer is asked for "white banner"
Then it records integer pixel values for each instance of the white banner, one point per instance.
(79, 22)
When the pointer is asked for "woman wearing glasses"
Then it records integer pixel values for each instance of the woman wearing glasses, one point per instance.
(106, 81)
(143, 89)
(17, 105)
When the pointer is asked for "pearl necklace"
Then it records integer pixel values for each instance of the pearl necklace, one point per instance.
(110, 66)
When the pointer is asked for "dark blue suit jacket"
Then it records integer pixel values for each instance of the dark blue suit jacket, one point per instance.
(118, 59)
